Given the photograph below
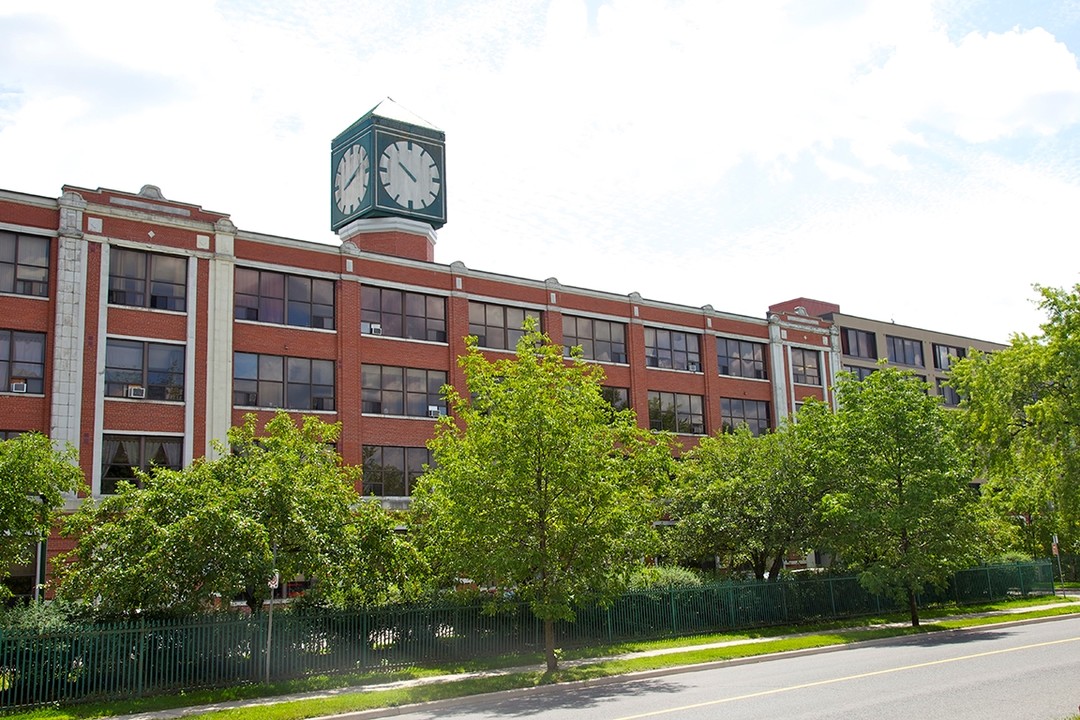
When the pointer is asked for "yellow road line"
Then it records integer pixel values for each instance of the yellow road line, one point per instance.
(831, 681)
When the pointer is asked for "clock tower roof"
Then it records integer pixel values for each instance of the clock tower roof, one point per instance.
(390, 113)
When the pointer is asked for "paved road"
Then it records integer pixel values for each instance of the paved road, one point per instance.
(1028, 672)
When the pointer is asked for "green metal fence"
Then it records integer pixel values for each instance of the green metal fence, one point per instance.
(148, 657)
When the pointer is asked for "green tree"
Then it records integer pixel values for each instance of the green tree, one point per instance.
(1023, 414)
(902, 510)
(34, 476)
(220, 528)
(747, 498)
(539, 488)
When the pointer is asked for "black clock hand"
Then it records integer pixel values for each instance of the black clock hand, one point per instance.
(351, 178)
(406, 171)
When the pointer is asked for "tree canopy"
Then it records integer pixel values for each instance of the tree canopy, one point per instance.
(34, 476)
(1023, 415)
(749, 498)
(280, 501)
(901, 510)
(539, 488)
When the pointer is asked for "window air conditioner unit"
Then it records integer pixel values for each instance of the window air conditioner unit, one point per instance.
(376, 329)
(693, 367)
(433, 411)
(136, 391)
(18, 385)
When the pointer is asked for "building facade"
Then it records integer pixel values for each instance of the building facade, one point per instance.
(139, 329)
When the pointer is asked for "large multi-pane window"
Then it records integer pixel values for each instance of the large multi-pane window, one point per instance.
(600, 340)
(150, 370)
(397, 313)
(273, 297)
(752, 413)
(24, 264)
(402, 391)
(741, 358)
(949, 396)
(22, 361)
(672, 349)
(282, 382)
(904, 351)
(145, 279)
(806, 366)
(860, 373)
(677, 412)
(617, 397)
(945, 355)
(122, 455)
(858, 343)
(392, 471)
(498, 326)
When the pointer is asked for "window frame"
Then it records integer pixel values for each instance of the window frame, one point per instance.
(12, 367)
(374, 473)
(252, 309)
(730, 421)
(617, 397)
(27, 278)
(593, 345)
(863, 340)
(800, 368)
(125, 286)
(903, 344)
(504, 333)
(758, 370)
(672, 357)
(153, 391)
(406, 321)
(109, 481)
(681, 409)
(281, 381)
(944, 354)
(411, 402)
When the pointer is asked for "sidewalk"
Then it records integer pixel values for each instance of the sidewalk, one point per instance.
(276, 699)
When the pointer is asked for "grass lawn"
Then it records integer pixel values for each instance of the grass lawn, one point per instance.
(576, 667)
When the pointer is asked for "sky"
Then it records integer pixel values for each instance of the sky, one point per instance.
(913, 161)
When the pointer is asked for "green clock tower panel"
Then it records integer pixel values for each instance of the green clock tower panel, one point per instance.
(389, 163)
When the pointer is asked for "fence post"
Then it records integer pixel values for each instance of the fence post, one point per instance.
(832, 599)
(1020, 577)
(671, 606)
(989, 585)
(141, 668)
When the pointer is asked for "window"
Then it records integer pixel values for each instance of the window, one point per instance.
(393, 471)
(24, 264)
(676, 412)
(805, 366)
(600, 340)
(22, 362)
(149, 280)
(672, 349)
(498, 327)
(402, 314)
(402, 391)
(10, 434)
(858, 343)
(949, 396)
(283, 382)
(904, 351)
(617, 397)
(860, 373)
(945, 354)
(741, 358)
(272, 297)
(122, 455)
(136, 369)
(752, 413)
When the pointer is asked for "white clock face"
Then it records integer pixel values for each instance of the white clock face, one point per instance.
(410, 175)
(351, 179)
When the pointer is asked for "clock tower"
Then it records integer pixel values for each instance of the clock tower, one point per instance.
(388, 182)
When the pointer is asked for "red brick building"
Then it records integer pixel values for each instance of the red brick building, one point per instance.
(139, 328)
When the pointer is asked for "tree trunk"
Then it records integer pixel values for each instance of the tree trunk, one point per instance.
(549, 645)
(914, 607)
(777, 566)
